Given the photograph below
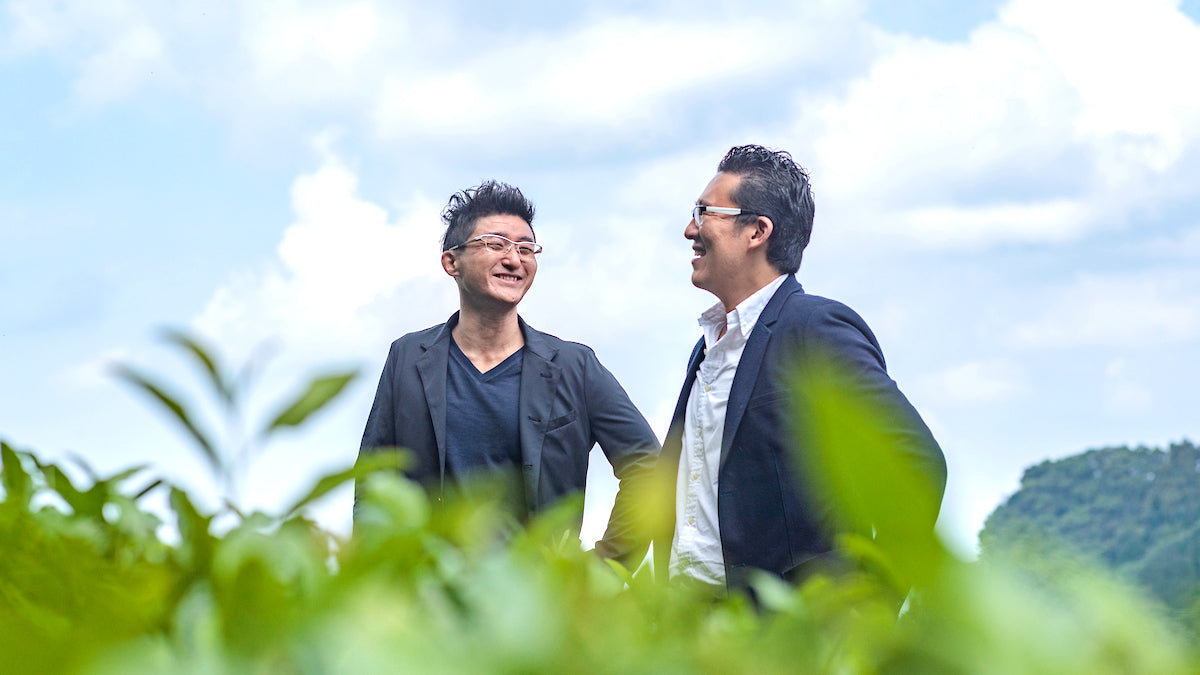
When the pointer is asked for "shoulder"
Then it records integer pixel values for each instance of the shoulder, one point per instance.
(413, 341)
(802, 309)
(562, 351)
(814, 318)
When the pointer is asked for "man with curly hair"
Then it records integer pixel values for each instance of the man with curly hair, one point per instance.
(485, 394)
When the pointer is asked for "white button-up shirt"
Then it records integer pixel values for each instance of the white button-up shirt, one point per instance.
(696, 547)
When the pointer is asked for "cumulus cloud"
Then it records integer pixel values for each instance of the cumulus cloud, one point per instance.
(1152, 308)
(120, 45)
(974, 383)
(338, 265)
(410, 74)
(585, 80)
(1034, 129)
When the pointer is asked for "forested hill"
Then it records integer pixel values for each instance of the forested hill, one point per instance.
(1135, 510)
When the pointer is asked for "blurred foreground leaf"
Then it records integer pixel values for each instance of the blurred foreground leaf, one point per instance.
(319, 392)
(172, 405)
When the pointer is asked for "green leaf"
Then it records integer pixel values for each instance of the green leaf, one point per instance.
(180, 339)
(320, 391)
(146, 490)
(18, 486)
(194, 532)
(872, 486)
(82, 502)
(365, 466)
(139, 381)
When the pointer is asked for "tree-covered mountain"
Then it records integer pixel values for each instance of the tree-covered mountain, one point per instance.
(1134, 510)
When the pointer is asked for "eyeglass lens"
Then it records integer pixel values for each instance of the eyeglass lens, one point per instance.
(500, 245)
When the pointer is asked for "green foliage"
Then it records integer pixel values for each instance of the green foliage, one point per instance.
(320, 391)
(228, 457)
(90, 584)
(1135, 511)
(428, 589)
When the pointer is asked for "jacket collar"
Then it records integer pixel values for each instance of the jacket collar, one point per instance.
(535, 340)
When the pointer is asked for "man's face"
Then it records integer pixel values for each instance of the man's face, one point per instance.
(485, 277)
(720, 246)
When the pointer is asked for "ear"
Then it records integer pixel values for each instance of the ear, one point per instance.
(762, 229)
(450, 263)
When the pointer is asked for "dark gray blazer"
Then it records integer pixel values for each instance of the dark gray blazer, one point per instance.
(568, 403)
(767, 512)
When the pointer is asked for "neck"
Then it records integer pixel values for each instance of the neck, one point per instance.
(488, 333)
(747, 286)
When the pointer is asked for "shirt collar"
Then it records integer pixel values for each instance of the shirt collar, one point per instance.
(740, 319)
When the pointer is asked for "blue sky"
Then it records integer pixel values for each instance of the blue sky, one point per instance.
(1007, 192)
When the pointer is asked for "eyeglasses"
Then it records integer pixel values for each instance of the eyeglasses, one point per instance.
(501, 245)
(699, 210)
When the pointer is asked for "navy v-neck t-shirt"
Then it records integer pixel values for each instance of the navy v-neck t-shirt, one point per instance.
(482, 428)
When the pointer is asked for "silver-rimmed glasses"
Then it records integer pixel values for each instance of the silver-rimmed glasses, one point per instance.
(699, 210)
(501, 245)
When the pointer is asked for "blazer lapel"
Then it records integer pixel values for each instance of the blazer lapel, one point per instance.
(431, 366)
(750, 364)
(674, 444)
(539, 378)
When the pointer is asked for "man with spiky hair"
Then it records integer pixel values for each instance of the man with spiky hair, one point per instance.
(485, 394)
(742, 500)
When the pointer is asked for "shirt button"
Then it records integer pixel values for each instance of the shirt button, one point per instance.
(706, 387)
(695, 475)
(691, 520)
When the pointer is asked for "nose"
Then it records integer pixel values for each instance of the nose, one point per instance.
(511, 258)
(692, 230)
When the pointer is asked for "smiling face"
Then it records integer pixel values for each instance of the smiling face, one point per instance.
(721, 247)
(488, 280)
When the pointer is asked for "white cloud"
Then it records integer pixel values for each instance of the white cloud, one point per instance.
(120, 45)
(1135, 89)
(974, 383)
(612, 77)
(1053, 221)
(408, 75)
(1154, 308)
(1035, 129)
(338, 265)
(282, 37)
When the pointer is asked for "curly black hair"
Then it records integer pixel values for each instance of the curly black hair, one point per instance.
(490, 198)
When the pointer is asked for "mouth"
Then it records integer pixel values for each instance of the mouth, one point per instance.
(508, 277)
(698, 252)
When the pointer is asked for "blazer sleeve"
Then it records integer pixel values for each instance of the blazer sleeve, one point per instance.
(837, 342)
(380, 431)
(632, 449)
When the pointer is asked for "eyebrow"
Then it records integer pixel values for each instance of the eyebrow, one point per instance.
(498, 234)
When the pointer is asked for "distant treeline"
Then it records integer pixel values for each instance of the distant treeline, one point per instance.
(1133, 510)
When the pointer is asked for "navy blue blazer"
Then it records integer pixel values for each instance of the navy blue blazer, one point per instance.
(769, 519)
(568, 403)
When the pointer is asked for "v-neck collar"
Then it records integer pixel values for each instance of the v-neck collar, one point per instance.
(492, 373)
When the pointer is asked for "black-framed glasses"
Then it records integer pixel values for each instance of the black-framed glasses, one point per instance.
(501, 245)
(699, 210)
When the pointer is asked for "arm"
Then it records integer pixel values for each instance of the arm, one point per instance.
(632, 449)
(840, 354)
(380, 431)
